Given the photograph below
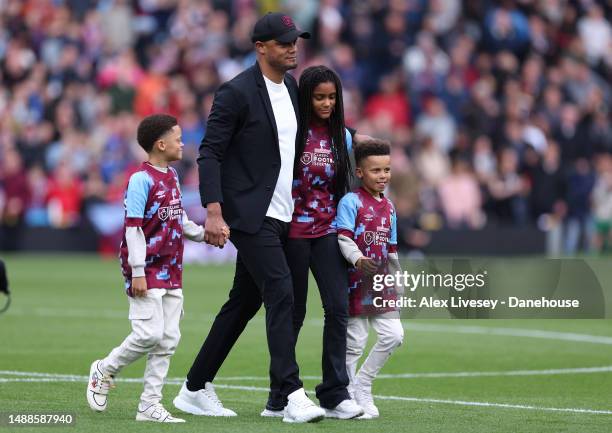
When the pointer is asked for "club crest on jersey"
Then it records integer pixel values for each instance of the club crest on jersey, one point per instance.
(369, 237)
(163, 213)
(306, 158)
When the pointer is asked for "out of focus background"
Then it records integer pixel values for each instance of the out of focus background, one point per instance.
(498, 112)
(499, 116)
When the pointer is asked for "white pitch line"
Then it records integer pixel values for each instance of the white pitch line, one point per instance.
(46, 377)
(509, 332)
(36, 374)
(409, 325)
(433, 375)
(549, 372)
(501, 405)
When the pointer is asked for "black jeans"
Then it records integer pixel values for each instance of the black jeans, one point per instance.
(322, 255)
(262, 274)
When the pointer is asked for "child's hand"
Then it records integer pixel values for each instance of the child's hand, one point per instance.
(367, 266)
(139, 287)
(226, 232)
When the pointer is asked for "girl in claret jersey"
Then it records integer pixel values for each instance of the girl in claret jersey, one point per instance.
(322, 176)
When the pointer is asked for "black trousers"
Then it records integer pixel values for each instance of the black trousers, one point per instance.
(322, 255)
(262, 274)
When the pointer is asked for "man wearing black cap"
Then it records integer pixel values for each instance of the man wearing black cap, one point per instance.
(246, 173)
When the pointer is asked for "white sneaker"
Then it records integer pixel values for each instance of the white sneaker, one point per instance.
(156, 413)
(347, 409)
(97, 387)
(301, 409)
(363, 397)
(202, 402)
(269, 413)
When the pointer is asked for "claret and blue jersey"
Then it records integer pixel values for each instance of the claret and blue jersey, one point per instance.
(314, 189)
(371, 224)
(153, 202)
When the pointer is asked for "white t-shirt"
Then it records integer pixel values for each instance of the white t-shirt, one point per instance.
(281, 206)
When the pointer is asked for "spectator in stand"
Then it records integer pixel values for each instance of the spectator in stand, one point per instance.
(550, 106)
(548, 186)
(540, 36)
(512, 137)
(116, 23)
(411, 237)
(16, 198)
(425, 65)
(532, 78)
(328, 24)
(343, 61)
(578, 222)
(600, 132)
(461, 76)
(443, 15)
(393, 41)
(508, 190)
(570, 135)
(460, 197)
(436, 123)
(77, 76)
(580, 82)
(390, 101)
(64, 198)
(36, 215)
(431, 162)
(595, 33)
(602, 204)
(547, 197)
(481, 114)
(506, 29)
(483, 160)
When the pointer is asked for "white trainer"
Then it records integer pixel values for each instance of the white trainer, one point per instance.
(269, 413)
(301, 409)
(347, 409)
(156, 413)
(202, 402)
(98, 386)
(363, 397)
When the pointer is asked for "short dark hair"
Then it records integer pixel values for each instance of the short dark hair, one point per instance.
(371, 147)
(151, 128)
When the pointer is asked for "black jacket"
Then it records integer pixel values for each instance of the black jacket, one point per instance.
(239, 160)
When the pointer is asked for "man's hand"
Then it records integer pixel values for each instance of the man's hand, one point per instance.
(139, 287)
(226, 232)
(367, 266)
(216, 231)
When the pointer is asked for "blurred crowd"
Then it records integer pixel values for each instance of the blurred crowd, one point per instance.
(498, 111)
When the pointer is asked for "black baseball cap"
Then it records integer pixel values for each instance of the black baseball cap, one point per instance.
(277, 26)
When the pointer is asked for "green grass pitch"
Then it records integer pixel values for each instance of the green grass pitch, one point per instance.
(449, 376)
